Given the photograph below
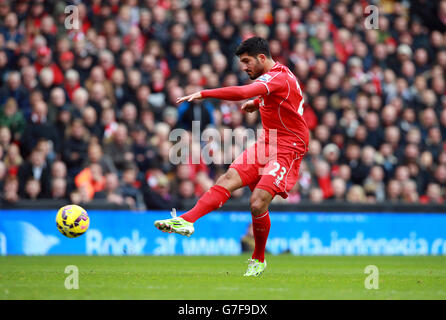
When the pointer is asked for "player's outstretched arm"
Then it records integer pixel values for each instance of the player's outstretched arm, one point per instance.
(234, 93)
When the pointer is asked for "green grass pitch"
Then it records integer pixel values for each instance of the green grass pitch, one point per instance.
(177, 277)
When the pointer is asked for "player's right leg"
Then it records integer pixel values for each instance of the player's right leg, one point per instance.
(261, 224)
(211, 200)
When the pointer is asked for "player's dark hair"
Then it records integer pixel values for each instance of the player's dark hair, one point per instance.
(253, 47)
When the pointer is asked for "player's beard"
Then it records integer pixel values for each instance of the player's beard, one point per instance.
(257, 71)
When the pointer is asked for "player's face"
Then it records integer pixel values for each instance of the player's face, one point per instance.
(252, 65)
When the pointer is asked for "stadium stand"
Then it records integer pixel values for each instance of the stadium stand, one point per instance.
(86, 113)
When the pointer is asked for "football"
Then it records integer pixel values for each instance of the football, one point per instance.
(72, 221)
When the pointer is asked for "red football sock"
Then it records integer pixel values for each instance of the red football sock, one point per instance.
(260, 227)
(213, 199)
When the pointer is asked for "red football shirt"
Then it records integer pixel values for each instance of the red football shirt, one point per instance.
(282, 107)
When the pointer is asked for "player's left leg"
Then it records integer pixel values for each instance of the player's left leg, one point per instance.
(211, 200)
(260, 200)
(243, 171)
(216, 196)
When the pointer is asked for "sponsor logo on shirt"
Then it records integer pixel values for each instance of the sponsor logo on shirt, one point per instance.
(265, 77)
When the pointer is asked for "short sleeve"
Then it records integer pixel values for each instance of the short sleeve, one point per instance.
(271, 80)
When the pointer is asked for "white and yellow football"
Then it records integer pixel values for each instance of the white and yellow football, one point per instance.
(72, 221)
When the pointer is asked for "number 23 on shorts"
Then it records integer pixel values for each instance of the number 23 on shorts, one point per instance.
(277, 171)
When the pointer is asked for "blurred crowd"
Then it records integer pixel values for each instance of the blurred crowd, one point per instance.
(86, 110)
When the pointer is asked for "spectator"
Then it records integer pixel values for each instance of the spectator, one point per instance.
(145, 154)
(39, 127)
(434, 141)
(59, 189)
(365, 164)
(79, 102)
(111, 191)
(5, 137)
(32, 189)
(433, 194)
(12, 118)
(130, 188)
(121, 91)
(375, 135)
(91, 123)
(96, 155)
(374, 183)
(13, 88)
(80, 196)
(109, 123)
(119, 148)
(323, 178)
(45, 60)
(316, 195)
(387, 159)
(58, 170)
(66, 61)
(356, 194)
(46, 147)
(394, 190)
(339, 189)
(186, 190)
(156, 191)
(75, 148)
(13, 36)
(10, 194)
(71, 83)
(99, 87)
(35, 169)
(90, 181)
(440, 175)
(57, 101)
(409, 192)
(129, 116)
(46, 83)
(352, 158)
(13, 159)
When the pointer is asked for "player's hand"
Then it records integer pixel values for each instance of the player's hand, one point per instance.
(191, 97)
(249, 106)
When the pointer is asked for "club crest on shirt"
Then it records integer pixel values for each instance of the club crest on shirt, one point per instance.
(264, 77)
